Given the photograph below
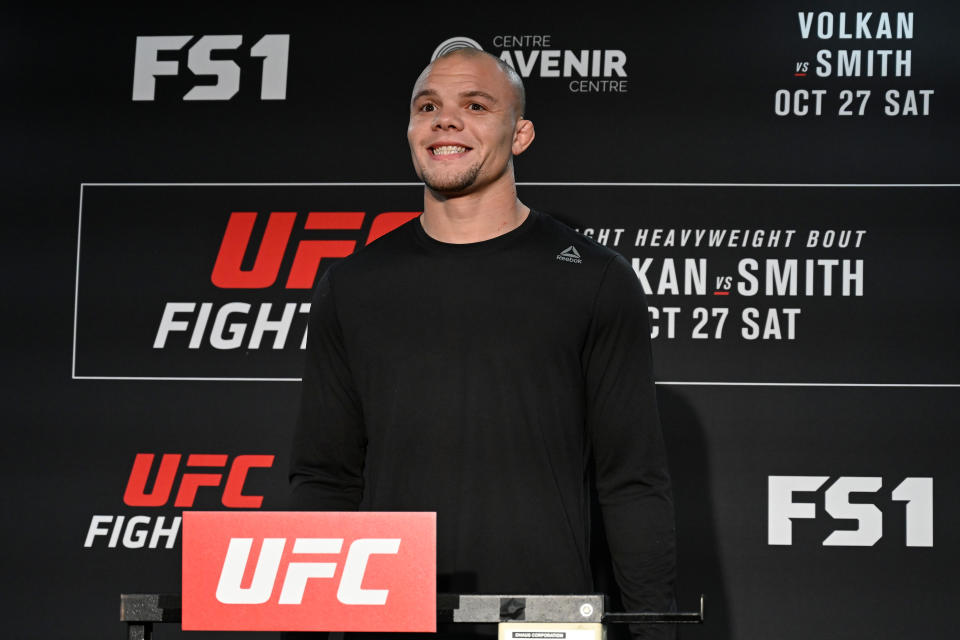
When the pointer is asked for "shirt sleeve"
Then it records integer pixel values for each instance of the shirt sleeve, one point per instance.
(329, 443)
(633, 482)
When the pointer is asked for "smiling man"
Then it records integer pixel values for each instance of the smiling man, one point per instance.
(487, 362)
(466, 124)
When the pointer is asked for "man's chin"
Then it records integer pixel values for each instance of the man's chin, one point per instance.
(451, 186)
(449, 191)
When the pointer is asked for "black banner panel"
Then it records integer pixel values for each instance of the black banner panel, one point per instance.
(745, 282)
(781, 178)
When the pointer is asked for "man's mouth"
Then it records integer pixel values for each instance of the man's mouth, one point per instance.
(448, 149)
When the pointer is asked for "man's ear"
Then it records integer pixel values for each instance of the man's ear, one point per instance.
(523, 135)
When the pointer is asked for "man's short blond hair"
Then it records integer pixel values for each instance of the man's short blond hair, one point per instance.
(520, 94)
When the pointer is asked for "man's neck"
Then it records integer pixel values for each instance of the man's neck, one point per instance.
(474, 217)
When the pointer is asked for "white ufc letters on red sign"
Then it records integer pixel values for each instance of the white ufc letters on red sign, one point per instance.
(297, 571)
(230, 591)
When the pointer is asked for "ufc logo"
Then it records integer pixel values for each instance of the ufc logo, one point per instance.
(228, 272)
(305, 571)
(264, 579)
(136, 494)
(783, 509)
(203, 61)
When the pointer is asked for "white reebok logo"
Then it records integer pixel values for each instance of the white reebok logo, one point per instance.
(570, 254)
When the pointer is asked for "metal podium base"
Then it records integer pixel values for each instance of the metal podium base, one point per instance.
(521, 617)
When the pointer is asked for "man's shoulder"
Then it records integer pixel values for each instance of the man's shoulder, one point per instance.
(377, 255)
(576, 247)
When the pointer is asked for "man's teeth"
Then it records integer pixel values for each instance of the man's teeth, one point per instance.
(447, 150)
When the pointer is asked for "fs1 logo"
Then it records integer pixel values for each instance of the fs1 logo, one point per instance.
(782, 509)
(309, 571)
(203, 470)
(204, 59)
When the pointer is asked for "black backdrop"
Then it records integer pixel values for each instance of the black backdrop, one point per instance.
(116, 208)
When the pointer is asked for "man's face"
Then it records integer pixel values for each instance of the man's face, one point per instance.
(463, 125)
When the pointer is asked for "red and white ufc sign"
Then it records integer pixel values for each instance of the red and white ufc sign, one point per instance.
(309, 571)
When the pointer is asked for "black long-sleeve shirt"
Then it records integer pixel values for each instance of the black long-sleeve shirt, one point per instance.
(477, 380)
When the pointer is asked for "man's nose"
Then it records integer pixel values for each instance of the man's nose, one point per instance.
(447, 119)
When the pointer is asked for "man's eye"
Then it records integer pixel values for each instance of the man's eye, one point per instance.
(474, 106)
(428, 107)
